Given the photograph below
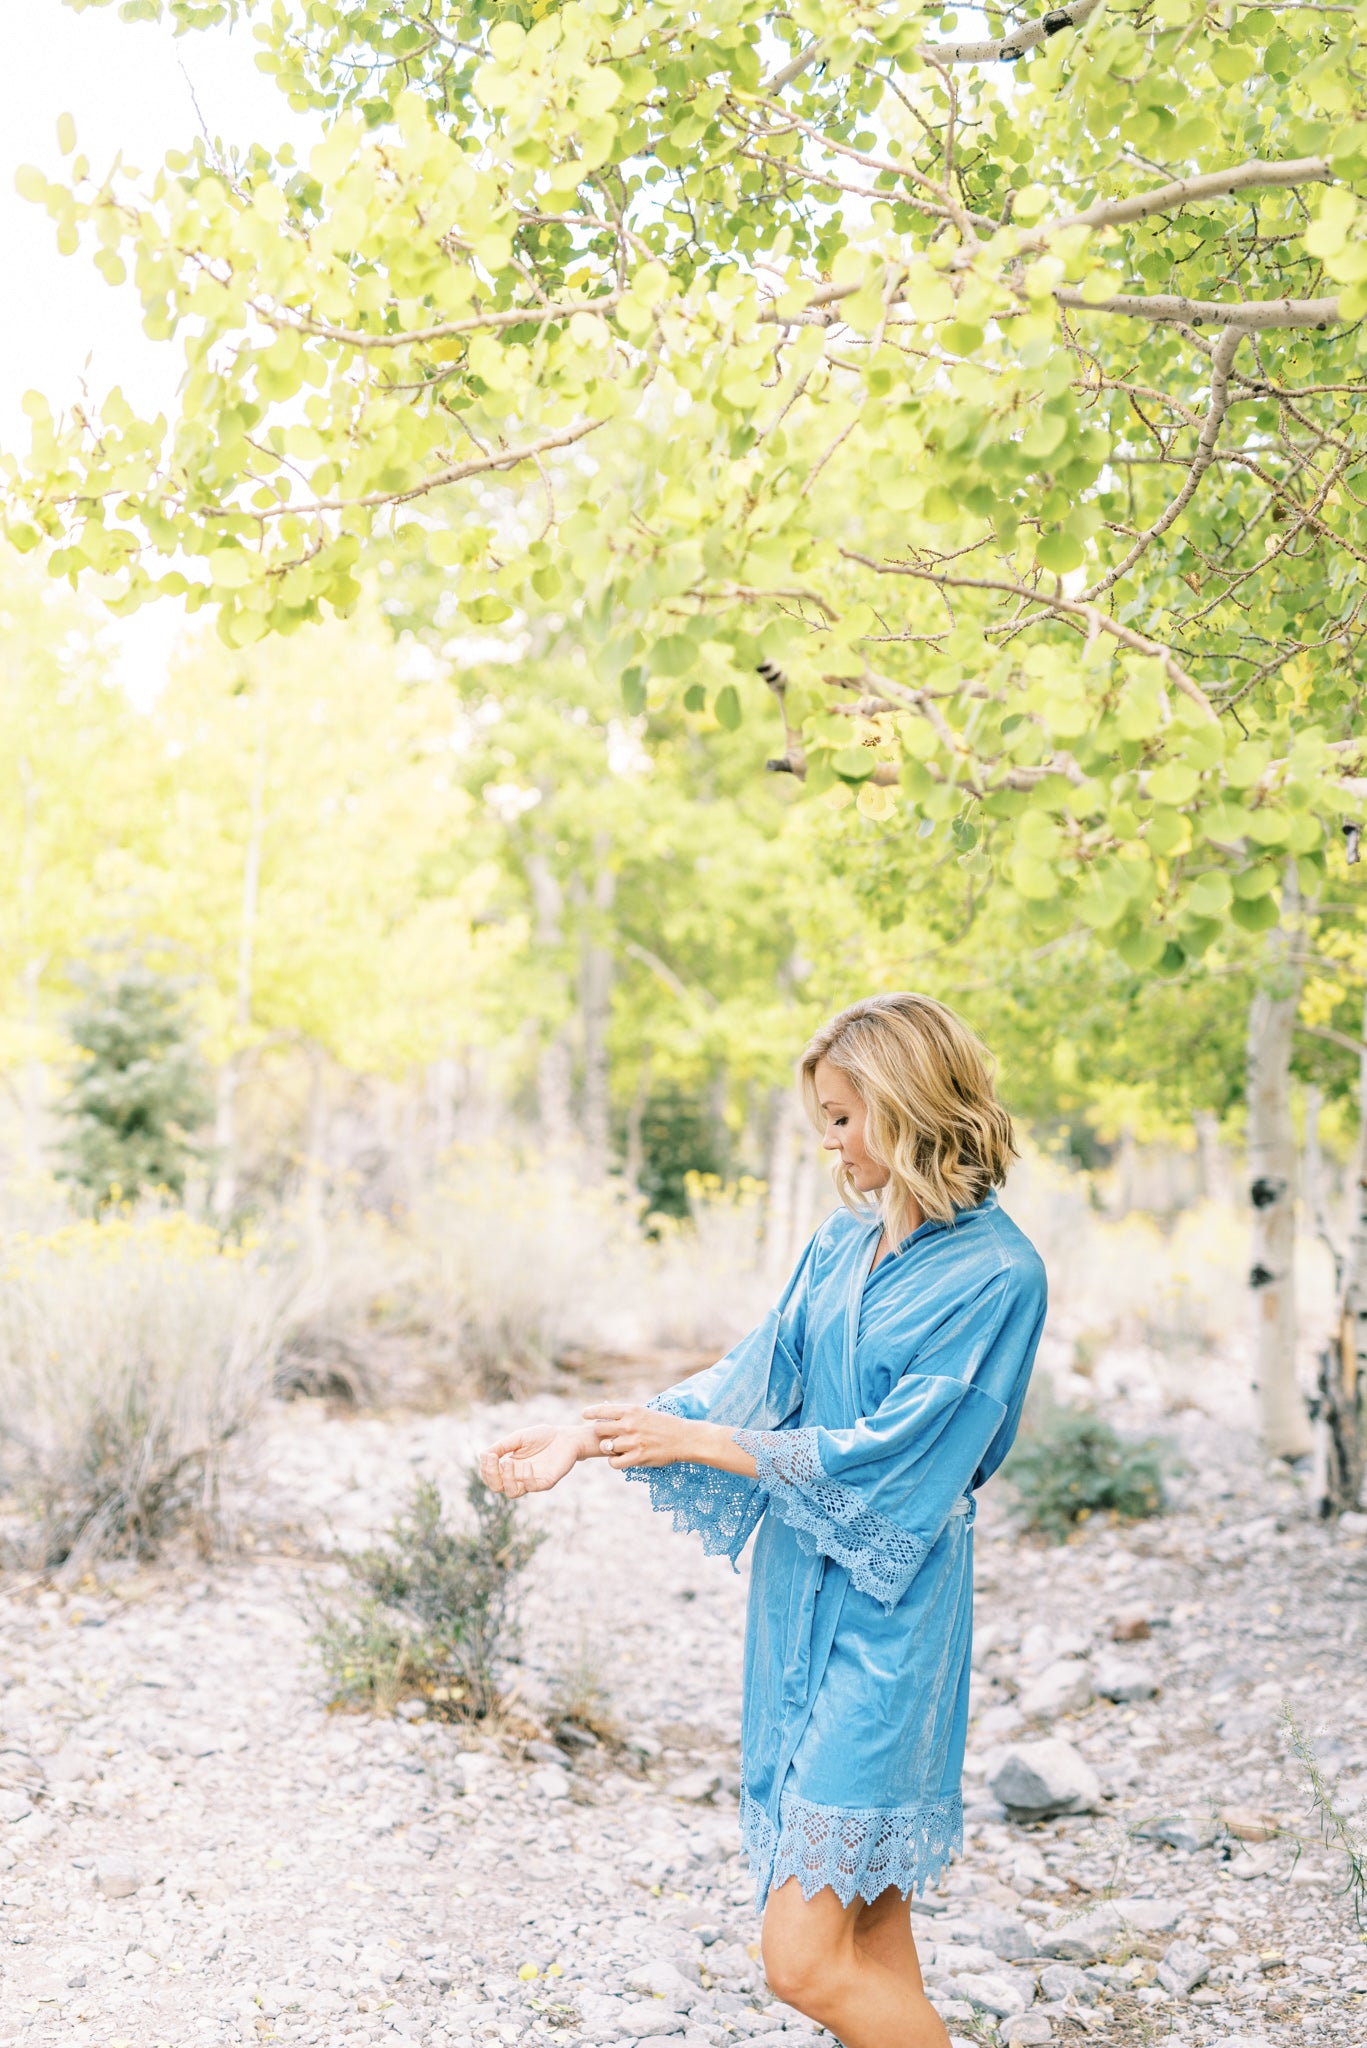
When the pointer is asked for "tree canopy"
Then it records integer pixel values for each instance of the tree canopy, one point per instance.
(995, 402)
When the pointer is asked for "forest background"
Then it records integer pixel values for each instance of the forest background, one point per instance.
(697, 515)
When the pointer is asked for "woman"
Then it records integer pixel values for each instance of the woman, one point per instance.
(852, 1427)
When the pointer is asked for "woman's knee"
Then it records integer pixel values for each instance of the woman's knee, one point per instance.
(804, 1966)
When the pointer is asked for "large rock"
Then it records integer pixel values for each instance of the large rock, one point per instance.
(1124, 1679)
(1183, 1968)
(648, 2020)
(1064, 1980)
(1006, 1934)
(1027, 2030)
(1000, 1992)
(1035, 1780)
(117, 1876)
(1085, 1938)
(661, 1980)
(1064, 1687)
(551, 1781)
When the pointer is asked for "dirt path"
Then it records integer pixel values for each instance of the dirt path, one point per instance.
(193, 1852)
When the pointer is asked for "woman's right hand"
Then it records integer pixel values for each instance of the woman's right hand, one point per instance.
(531, 1460)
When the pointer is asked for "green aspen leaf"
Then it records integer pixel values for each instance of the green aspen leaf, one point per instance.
(30, 184)
(1173, 958)
(960, 337)
(695, 698)
(66, 134)
(1258, 914)
(1173, 783)
(487, 610)
(633, 691)
(1169, 833)
(672, 655)
(853, 764)
(1254, 882)
(1210, 895)
(1139, 947)
(1269, 827)
(230, 568)
(1034, 878)
(444, 547)
(1060, 552)
(546, 581)
(726, 707)
(941, 506)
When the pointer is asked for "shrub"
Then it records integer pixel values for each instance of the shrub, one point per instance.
(132, 1352)
(138, 1092)
(1071, 1464)
(428, 1613)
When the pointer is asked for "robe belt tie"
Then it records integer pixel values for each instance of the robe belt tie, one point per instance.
(967, 1505)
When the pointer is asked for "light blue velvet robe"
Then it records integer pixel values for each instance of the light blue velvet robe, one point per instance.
(873, 1403)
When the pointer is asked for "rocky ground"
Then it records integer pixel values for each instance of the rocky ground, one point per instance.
(194, 1852)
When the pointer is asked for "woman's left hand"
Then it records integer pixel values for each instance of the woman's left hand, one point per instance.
(638, 1436)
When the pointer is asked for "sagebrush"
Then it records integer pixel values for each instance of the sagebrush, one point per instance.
(1070, 1464)
(133, 1352)
(428, 1613)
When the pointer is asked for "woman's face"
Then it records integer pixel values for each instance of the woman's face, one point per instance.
(844, 1112)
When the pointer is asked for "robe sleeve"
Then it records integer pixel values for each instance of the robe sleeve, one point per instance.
(758, 1386)
(876, 1497)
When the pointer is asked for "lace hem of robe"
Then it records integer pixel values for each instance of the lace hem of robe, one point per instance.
(858, 1851)
(829, 1519)
(720, 1507)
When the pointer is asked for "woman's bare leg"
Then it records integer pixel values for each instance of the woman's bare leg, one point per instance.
(852, 1969)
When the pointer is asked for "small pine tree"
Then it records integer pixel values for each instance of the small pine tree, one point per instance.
(139, 1091)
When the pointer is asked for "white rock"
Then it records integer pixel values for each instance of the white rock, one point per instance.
(953, 1958)
(1006, 1934)
(1083, 1939)
(550, 1782)
(661, 1980)
(648, 2020)
(695, 1785)
(1183, 1968)
(117, 1875)
(1124, 1679)
(1026, 2030)
(1000, 1993)
(14, 1806)
(1036, 1779)
(1150, 1916)
(1065, 1980)
(1064, 1687)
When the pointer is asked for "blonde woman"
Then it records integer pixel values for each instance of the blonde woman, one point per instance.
(853, 1428)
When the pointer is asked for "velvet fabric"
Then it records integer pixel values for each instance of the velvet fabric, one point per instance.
(875, 1403)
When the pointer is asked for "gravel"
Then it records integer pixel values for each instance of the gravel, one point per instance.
(200, 1854)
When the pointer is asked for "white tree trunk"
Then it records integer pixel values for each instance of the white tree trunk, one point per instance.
(785, 1130)
(223, 1198)
(595, 1003)
(1272, 1193)
(1338, 1406)
(554, 1071)
(1211, 1157)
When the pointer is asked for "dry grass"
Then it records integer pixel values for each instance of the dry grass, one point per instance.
(133, 1352)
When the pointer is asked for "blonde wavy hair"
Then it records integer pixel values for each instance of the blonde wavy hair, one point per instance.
(932, 1114)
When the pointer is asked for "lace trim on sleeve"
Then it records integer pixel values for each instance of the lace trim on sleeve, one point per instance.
(721, 1507)
(858, 1852)
(830, 1520)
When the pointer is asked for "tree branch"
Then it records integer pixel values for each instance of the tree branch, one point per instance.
(1104, 213)
(507, 458)
(1004, 50)
(355, 337)
(1221, 364)
(1095, 620)
(1255, 314)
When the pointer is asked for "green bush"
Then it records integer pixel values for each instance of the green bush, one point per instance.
(427, 1614)
(138, 1091)
(1070, 1464)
